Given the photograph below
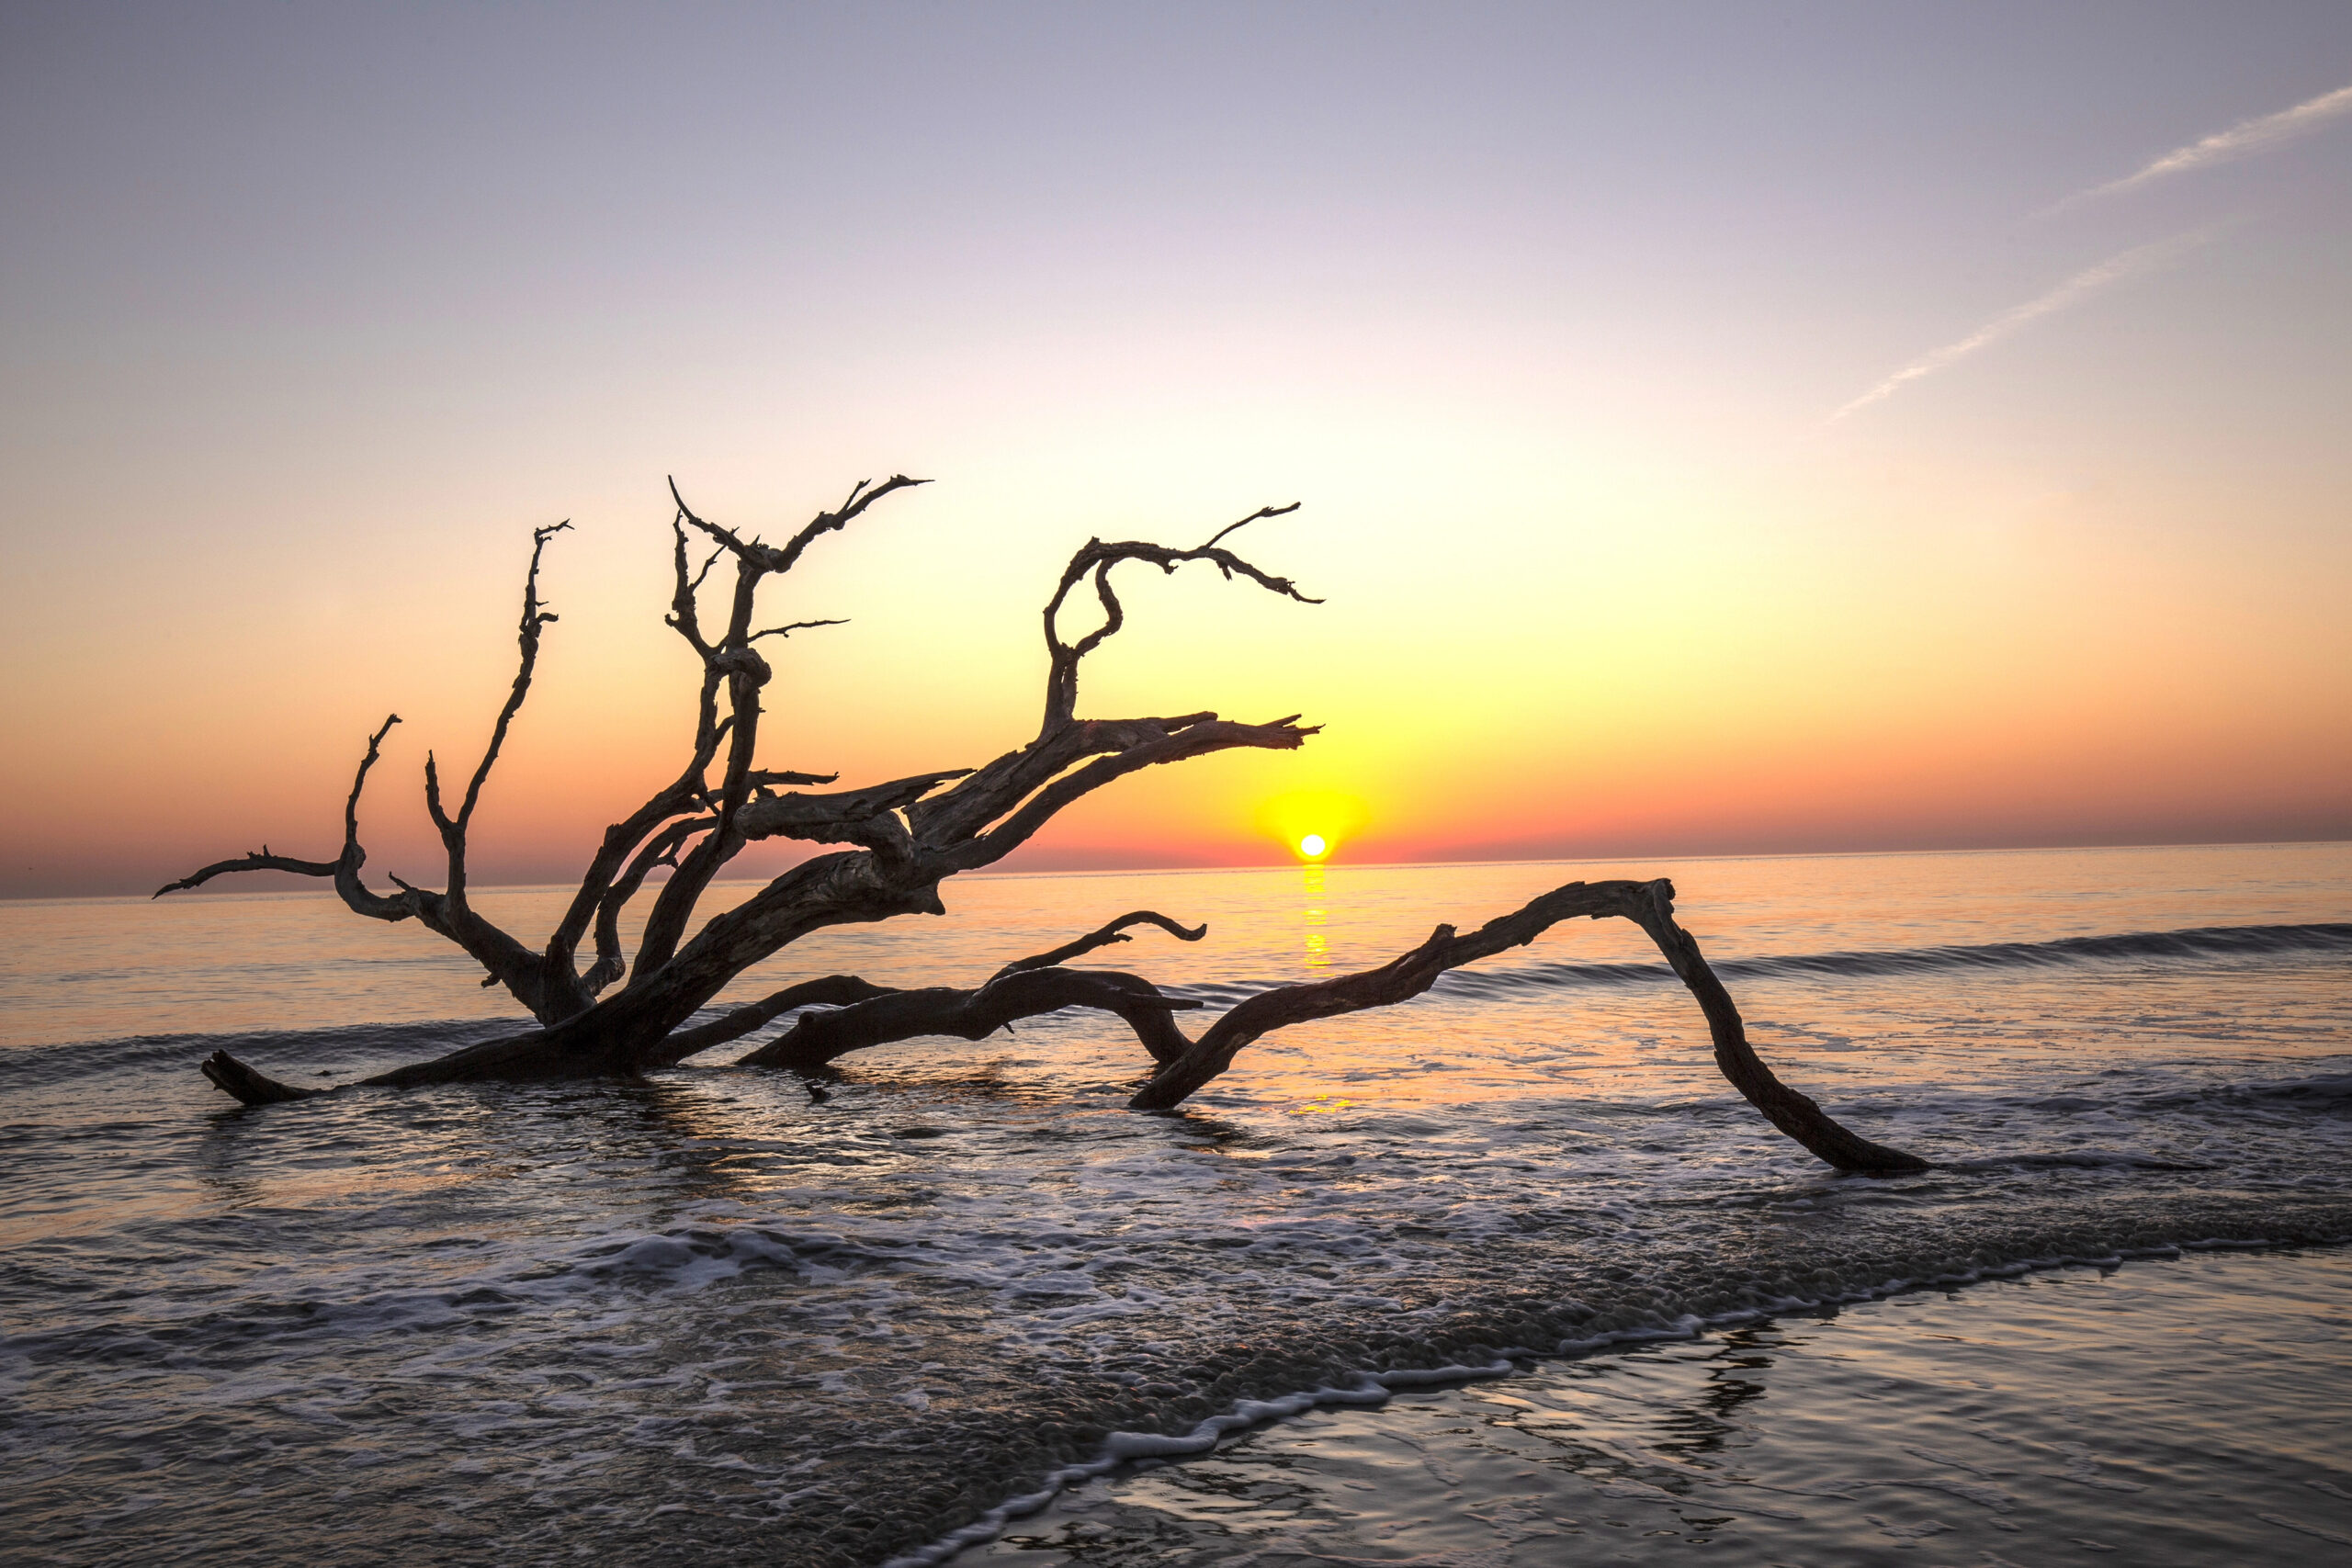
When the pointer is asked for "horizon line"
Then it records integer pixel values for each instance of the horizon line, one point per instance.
(1369, 865)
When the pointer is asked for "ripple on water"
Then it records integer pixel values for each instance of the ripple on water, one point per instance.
(704, 1319)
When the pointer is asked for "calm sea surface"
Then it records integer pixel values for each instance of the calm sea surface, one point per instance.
(707, 1319)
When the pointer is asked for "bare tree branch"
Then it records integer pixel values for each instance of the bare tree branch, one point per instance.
(744, 672)
(252, 860)
(794, 626)
(817, 1037)
(343, 868)
(685, 793)
(1098, 557)
(535, 617)
(1181, 742)
(1103, 936)
(831, 990)
(1649, 905)
(660, 850)
(867, 817)
(762, 779)
(769, 557)
(952, 1009)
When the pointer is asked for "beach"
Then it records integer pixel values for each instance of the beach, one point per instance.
(710, 1318)
(2192, 1410)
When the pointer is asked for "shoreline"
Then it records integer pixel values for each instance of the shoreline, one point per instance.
(1032, 1531)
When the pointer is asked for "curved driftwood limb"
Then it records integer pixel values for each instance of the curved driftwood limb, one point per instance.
(875, 1015)
(817, 1038)
(1649, 905)
(343, 868)
(252, 860)
(846, 991)
(1099, 558)
(1103, 936)
(522, 1056)
(869, 817)
(828, 990)
(1021, 792)
(1792, 1113)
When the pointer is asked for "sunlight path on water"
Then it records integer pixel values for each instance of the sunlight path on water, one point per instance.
(79, 969)
(708, 1318)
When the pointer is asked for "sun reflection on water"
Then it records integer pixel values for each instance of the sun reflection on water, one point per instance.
(1312, 917)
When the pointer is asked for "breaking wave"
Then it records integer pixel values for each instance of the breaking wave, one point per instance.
(2197, 944)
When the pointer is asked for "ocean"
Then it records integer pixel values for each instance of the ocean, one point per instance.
(1507, 1275)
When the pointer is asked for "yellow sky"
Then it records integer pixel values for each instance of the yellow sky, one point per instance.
(1556, 368)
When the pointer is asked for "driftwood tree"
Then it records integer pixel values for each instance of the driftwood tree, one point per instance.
(625, 1014)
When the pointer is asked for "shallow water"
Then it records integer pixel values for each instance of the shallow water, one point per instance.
(2192, 1411)
(705, 1317)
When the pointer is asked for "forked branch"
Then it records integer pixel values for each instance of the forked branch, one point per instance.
(343, 868)
(817, 1037)
(910, 834)
(1182, 1065)
(896, 1014)
(1098, 557)
(1649, 905)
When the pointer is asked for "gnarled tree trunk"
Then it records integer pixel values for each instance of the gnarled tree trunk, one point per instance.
(912, 834)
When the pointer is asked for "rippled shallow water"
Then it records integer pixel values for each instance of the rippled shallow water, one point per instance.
(2197, 1410)
(703, 1318)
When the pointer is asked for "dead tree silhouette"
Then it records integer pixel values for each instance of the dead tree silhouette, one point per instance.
(625, 1013)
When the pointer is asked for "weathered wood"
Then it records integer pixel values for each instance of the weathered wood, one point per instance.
(829, 990)
(1103, 935)
(1649, 905)
(817, 1037)
(1183, 1067)
(912, 834)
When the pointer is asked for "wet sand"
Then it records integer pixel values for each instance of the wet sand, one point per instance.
(2190, 1412)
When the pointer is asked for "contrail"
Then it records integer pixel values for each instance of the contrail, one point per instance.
(2080, 287)
(2246, 137)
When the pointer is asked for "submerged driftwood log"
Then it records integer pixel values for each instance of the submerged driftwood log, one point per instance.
(1182, 1065)
(842, 1013)
(908, 835)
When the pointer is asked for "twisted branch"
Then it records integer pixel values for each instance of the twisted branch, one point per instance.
(343, 868)
(1649, 905)
(1099, 558)
(1103, 936)
(817, 1037)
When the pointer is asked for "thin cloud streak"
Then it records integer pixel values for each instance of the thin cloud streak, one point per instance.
(2241, 140)
(2080, 287)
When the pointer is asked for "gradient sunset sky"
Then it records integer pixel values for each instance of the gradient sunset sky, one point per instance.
(1721, 428)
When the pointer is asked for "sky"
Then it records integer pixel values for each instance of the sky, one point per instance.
(1719, 428)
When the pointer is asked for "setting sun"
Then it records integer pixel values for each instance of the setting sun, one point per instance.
(1312, 846)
